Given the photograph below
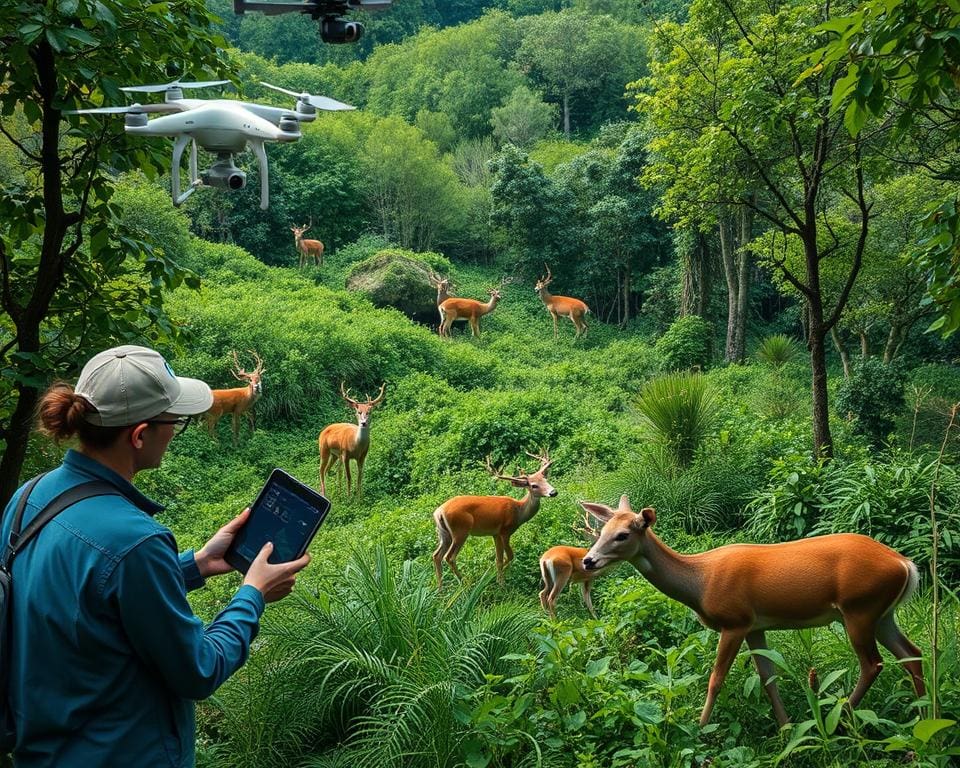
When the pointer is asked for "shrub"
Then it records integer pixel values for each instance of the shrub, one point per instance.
(872, 397)
(777, 350)
(678, 409)
(685, 345)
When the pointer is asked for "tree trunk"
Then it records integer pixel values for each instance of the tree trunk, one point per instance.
(736, 273)
(842, 350)
(864, 345)
(694, 299)
(566, 115)
(822, 440)
(626, 294)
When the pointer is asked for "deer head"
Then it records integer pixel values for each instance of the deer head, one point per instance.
(253, 378)
(544, 281)
(362, 409)
(536, 482)
(298, 231)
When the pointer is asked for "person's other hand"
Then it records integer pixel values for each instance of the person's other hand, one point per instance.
(209, 559)
(274, 581)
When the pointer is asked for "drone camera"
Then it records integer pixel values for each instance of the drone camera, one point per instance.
(337, 30)
(225, 175)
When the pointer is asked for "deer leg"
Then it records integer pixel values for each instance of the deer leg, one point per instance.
(757, 641)
(236, 427)
(345, 460)
(554, 316)
(545, 569)
(445, 539)
(585, 591)
(727, 647)
(324, 464)
(508, 550)
(359, 478)
(475, 327)
(498, 543)
(561, 576)
(451, 556)
(253, 427)
(212, 427)
(862, 632)
(891, 638)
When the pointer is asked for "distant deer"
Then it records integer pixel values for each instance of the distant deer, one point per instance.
(238, 401)
(442, 284)
(496, 516)
(468, 309)
(561, 565)
(742, 590)
(562, 306)
(307, 248)
(342, 442)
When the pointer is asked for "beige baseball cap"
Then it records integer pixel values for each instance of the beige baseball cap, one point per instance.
(130, 384)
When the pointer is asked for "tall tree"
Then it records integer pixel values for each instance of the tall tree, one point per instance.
(797, 152)
(69, 267)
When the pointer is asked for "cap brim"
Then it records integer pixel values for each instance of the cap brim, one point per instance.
(195, 398)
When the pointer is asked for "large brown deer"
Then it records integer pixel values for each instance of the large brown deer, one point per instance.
(343, 442)
(496, 516)
(237, 401)
(562, 306)
(742, 590)
(307, 248)
(561, 565)
(468, 309)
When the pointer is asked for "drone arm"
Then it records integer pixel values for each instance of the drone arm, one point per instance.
(260, 151)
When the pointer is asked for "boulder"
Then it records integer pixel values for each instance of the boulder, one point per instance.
(400, 279)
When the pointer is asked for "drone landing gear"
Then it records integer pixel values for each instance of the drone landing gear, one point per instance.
(179, 144)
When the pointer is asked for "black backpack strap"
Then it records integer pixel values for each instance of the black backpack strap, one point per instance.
(59, 503)
(18, 515)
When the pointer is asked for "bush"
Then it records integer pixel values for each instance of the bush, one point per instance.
(871, 398)
(679, 410)
(685, 345)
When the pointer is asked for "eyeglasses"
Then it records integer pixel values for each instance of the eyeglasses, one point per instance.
(183, 422)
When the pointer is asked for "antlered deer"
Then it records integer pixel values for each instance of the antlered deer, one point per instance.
(348, 441)
(237, 401)
(742, 590)
(561, 565)
(442, 284)
(562, 306)
(496, 516)
(469, 309)
(307, 248)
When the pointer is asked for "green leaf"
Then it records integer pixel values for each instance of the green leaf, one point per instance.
(854, 118)
(597, 667)
(925, 729)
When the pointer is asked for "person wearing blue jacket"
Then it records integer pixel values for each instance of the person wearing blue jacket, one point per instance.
(107, 657)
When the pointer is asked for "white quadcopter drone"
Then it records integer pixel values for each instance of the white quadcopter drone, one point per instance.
(222, 126)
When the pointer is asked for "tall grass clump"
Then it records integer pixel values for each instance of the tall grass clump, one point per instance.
(678, 410)
(376, 670)
(777, 350)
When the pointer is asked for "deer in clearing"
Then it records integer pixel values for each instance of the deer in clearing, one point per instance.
(468, 309)
(561, 565)
(237, 401)
(442, 284)
(343, 442)
(742, 590)
(496, 516)
(307, 248)
(562, 306)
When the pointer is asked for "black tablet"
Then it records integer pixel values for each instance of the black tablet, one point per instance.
(286, 512)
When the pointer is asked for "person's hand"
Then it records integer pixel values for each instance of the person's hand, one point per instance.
(274, 581)
(209, 559)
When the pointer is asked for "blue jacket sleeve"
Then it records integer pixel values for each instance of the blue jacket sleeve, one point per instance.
(191, 573)
(191, 659)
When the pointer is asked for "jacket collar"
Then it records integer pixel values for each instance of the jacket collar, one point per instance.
(78, 462)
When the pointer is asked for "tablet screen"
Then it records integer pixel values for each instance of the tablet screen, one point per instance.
(287, 516)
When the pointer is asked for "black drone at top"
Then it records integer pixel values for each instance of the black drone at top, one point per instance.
(333, 27)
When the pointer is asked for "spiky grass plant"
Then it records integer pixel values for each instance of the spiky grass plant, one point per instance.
(373, 673)
(777, 350)
(678, 410)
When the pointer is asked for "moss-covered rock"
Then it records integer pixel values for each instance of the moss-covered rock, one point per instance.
(401, 279)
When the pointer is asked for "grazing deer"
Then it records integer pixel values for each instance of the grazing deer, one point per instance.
(342, 442)
(742, 590)
(563, 306)
(497, 516)
(238, 401)
(466, 309)
(561, 565)
(442, 284)
(307, 248)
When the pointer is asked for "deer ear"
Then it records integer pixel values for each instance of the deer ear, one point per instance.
(519, 482)
(624, 504)
(600, 511)
(649, 516)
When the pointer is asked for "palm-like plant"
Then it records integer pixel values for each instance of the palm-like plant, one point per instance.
(372, 674)
(679, 410)
(777, 350)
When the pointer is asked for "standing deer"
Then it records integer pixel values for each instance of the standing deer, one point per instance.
(563, 306)
(307, 248)
(238, 401)
(561, 565)
(466, 309)
(742, 590)
(342, 442)
(496, 516)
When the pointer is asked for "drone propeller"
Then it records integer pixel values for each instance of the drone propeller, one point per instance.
(318, 102)
(105, 110)
(171, 86)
